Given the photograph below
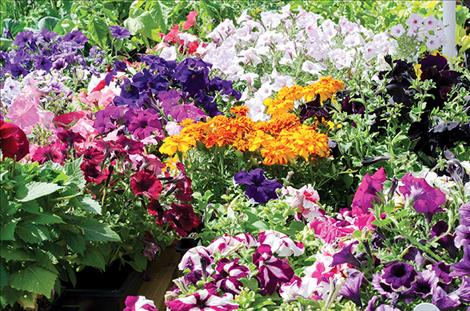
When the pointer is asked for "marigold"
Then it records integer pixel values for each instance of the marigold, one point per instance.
(177, 143)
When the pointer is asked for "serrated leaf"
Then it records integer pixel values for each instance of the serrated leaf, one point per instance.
(90, 205)
(38, 189)
(76, 243)
(95, 231)
(4, 275)
(44, 219)
(75, 173)
(93, 258)
(31, 233)
(34, 279)
(15, 254)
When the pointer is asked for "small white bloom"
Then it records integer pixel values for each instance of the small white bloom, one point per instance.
(397, 30)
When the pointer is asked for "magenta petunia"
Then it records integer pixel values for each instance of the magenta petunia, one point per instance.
(145, 183)
(228, 274)
(426, 199)
(203, 300)
(366, 193)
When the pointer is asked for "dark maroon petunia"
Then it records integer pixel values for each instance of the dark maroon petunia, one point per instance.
(147, 184)
(55, 152)
(13, 141)
(93, 172)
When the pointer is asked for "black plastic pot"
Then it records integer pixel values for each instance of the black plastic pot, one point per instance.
(185, 244)
(100, 291)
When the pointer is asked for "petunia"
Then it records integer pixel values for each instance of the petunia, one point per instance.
(228, 274)
(197, 258)
(190, 20)
(424, 284)
(139, 303)
(447, 241)
(147, 184)
(182, 218)
(367, 192)
(55, 152)
(93, 173)
(143, 123)
(351, 289)
(203, 300)
(225, 244)
(426, 199)
(280, 243)
(442, 271)
(257, 186)
(13, 141)
(382, 288)
(462, 236)
(462, 268)
(443, 300)
(345, 256)
(119, 32)
(399, 276)
(464, 213)
(272, 271)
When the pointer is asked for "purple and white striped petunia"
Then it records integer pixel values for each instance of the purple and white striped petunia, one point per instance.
(272, 271)
(197, 258)
(228, 274)
(280, 243)
(227, 243)
(139, 303)
(203, 300)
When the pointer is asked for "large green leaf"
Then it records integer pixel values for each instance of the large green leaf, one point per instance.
(98, 30)
(15, 254)
(44, 219)
(75, 242)
(95, 231)
(75, 173)
(93, 258)
(4, 275)
(48, 22)
(34, 279)
(90, 205)
(143, 24)
(32, 233)
(39, 189)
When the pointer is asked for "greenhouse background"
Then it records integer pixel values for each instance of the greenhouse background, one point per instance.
(189, 155)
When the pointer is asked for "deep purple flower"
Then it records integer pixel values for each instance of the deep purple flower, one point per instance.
(444, 301)
(142, 123)
(382, 288)
(464, 290)
(345, 256)
(447, 240)
(77, 37)
(462, 236)
(272, 271)
(119, 32)
(424, 284)
(42, 63)
(366, 193)
(442, 271)
(371, 304)
(128, 96)
(462, 268)
(313, 108)
(24, 38)
(464, 212)
(426, 199)
(228, 274)
(257, 187)
(351, 289)
(224, 86)
(193, 74)
(399, 275)
(59, 64)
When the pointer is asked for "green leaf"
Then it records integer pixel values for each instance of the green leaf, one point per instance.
(99, 31)
(75, 173)
(44, 219)
(34, 279)
(31, 233)
(93, 258)
(39, 189)
(15, 254)
(4, 275)
(75, 242)
(88, 204)
(139, 262)
(28, 301)
(47, 22)
(95, 231)
(7, 232)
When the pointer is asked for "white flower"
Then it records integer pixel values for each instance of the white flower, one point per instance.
(414, 21)
(312, 68)
(352, 40)
(397, 30)
(433, 43)
(431, 23)
(329, 28)
(10, 90)
(172, 128)
(270, 19)
(168, 53)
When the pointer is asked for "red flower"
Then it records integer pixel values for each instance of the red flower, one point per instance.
(146, 184)
(67, 120)
(184, 191)
(182, 218)
(55, 152)
(93, 173)
(13, 141)
(190, 20)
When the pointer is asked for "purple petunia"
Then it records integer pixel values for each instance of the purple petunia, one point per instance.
(351, 289)
(109, 118)
(426, 199)
(257, 187)
(444, 301)
(462, 268)
(345, 256)
(462, 232)
(143, 123)
(119, 32)
(425, 282)
(367, 192)
(399, 276)
(228, 274)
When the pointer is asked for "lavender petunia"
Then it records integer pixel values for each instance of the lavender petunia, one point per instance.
(143, 123)
(462, 268)
(444, 301)
(464, 213)
(351, 289)
(119, 32)
(426, 199)
(424, 284)
(257, 187)
(442, 271)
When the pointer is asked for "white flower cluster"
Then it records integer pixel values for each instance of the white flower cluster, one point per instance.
(275, 51)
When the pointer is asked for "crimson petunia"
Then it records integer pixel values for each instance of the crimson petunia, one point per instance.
(13, 141)
(147, 184)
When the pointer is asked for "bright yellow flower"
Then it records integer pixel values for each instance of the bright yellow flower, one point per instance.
(177, 143)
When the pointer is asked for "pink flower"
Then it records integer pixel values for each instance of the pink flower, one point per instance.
(228, 274)
(203, 300)
(227, 243)
(55, 152)
(139, 303)
(426, 199)
(366, 193)
(25, 112)
(145, 183)
(329, 229)
(197, 258)
(305, 200)
(190, 20)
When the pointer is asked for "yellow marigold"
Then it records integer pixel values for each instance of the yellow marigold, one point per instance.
(239, 111)
(177, 143)
(276, 152)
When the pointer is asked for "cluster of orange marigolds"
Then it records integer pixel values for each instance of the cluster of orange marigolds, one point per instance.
(280, 140)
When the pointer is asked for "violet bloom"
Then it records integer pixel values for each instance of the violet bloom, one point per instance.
(444, 301)
(109, 118)
(272, 271)
(228, 274)
(193, 74)
(119, 32)
(426, 199)
(42, 63)
(257, 187)
(442, 271)
(382, 288)
(143, 123)
(351, 289)
(424, 284)
(24, 38)
(464, 290)
(462, 233)
(77, 37)
(462, 268)
(399, 276)
(464, 212)
(366, 193)
(197, 258)
(139, 303)
(202, 300)
(345, 256)
(446, 241)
